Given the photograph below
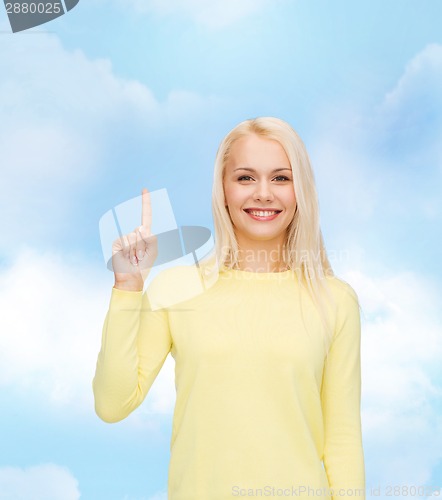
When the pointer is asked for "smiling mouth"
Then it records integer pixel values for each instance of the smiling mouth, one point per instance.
(262, 213)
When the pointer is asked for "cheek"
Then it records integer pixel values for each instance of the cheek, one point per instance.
(290, 198)
(232, 195)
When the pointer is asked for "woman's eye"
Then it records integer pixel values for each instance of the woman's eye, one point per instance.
(247, 177)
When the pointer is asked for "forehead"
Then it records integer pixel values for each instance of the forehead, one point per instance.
(257, 152)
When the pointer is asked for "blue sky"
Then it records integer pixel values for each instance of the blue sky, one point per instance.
(117, 95)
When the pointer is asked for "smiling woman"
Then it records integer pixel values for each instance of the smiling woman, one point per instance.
(247, 178)
(267, 360)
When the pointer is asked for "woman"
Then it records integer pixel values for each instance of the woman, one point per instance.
(267, 359)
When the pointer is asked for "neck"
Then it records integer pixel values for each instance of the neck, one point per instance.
(262, 258)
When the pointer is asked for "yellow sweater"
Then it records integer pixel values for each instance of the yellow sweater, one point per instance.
(259, 411)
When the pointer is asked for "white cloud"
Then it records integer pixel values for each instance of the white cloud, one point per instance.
(423, 74)
(39, 482)
(411, 113)
(55, 107)
(53, 309)
(401, 352)
(215, 14)
(382, 166)
(63, 118)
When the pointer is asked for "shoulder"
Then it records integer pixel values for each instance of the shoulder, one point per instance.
(348, 307)
(342, 289)
(173, 285)
(345, 298)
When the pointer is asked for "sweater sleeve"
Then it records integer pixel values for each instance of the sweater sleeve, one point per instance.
(341, 401)
(134, 345)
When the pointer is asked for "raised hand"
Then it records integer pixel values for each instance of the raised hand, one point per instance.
(133, 254)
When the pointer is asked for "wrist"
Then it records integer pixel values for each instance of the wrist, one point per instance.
(128, 286)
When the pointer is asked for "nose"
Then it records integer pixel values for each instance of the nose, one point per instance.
(263, 191)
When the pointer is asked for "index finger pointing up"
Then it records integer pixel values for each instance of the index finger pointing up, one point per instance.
(146, 212)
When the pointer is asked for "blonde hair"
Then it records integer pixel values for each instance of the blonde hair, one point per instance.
(305, 253)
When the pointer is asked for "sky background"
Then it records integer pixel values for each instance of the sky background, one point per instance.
(121, 94)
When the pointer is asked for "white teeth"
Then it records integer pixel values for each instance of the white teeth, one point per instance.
(262, 214)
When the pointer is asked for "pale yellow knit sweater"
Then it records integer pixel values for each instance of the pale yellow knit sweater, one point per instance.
(259, 411)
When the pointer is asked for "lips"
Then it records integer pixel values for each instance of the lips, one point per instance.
(262, 215)
(248, 210)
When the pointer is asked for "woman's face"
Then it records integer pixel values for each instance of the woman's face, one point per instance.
(258, 177)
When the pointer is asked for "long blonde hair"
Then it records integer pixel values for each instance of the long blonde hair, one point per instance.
(305, 253)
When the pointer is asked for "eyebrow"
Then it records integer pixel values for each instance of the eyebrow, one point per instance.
(253, 170)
